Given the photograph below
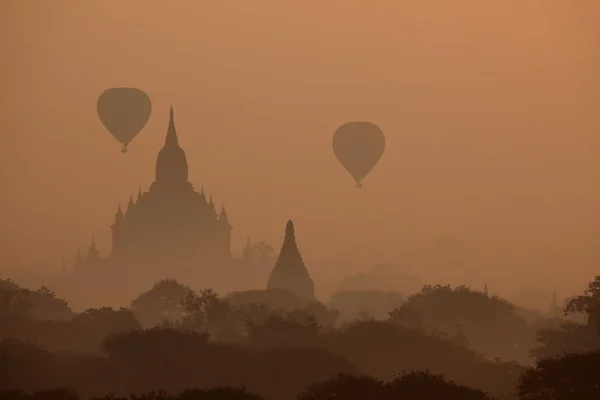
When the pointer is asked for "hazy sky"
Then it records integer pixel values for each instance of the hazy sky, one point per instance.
(490, 109)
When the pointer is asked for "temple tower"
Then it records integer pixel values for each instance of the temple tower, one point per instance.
(289, 272)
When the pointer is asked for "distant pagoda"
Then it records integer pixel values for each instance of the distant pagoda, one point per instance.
(289, 272)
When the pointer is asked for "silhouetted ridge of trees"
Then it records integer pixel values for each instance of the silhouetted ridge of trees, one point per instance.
(38, 304)
(487, 324)
(570, 376)
(280, 347)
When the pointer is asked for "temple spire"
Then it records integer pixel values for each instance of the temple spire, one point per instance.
(130, 207)
(78, 259)
(485, 290)
(171, 163)
(119, 214)
(223, 215)
(247, 253)
(93, 250)
(171, 138)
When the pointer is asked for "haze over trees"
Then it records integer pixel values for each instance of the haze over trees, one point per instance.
(271, 344)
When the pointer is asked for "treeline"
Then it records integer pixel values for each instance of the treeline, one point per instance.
(415, 385)
(172, 339)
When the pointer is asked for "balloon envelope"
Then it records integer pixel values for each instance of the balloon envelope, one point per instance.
(358, 146)
(124, 112)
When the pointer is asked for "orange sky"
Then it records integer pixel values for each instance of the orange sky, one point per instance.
(489, 108)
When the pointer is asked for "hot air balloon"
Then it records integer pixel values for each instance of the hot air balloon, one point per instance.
(358, 146)
(124, 112)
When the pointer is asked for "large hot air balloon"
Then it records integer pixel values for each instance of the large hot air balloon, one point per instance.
(358, 146)
(124, 112)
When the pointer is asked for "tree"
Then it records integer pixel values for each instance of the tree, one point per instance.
(207, 312)
(374, 303)
(408, 317)
(22, 365)
(588, 303)
(415, 386)
(41, 304)
(300, 330)
(383, 349)
(55, 394)
(45, 304)
(274, 299)
(567, 338)
(14, 302)
(283, 301)
(163, 302)
(153, 345)
(489, 324)
(99, 323)
(219, 393)
(345, 387)
(426, 386)
(569, 377)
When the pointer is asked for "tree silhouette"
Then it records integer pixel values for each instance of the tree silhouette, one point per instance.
(345, 387)
(374, 303)
(219, 393)
(207, 312)
(14, 300)
(567, 338)
(569, 377)
(99, 323)
(426, 386)
(285, 330)
(45, 304)
(163, 302)
(55, 394)
(489, 324)
(588, 303)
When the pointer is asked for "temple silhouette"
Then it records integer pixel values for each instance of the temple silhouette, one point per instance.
(289, 272)
(173, 231)
(171, 228)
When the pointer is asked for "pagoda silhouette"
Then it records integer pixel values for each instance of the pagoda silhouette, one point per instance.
(289, 272)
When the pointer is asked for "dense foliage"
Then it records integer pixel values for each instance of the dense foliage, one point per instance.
(436, 344)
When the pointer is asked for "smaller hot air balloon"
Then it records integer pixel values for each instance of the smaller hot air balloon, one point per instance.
(358, 146)
(124, 112)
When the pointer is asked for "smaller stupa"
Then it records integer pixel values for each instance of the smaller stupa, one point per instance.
(289, 272)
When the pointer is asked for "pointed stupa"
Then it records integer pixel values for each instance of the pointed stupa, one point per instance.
(93, 252)
(78, 259)
(223, 218)
(211, 206)
(289, 272)
(119, 214)
(171, 163)
(171, 140)
(485, 290)
(130, 207)
(247, 253)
